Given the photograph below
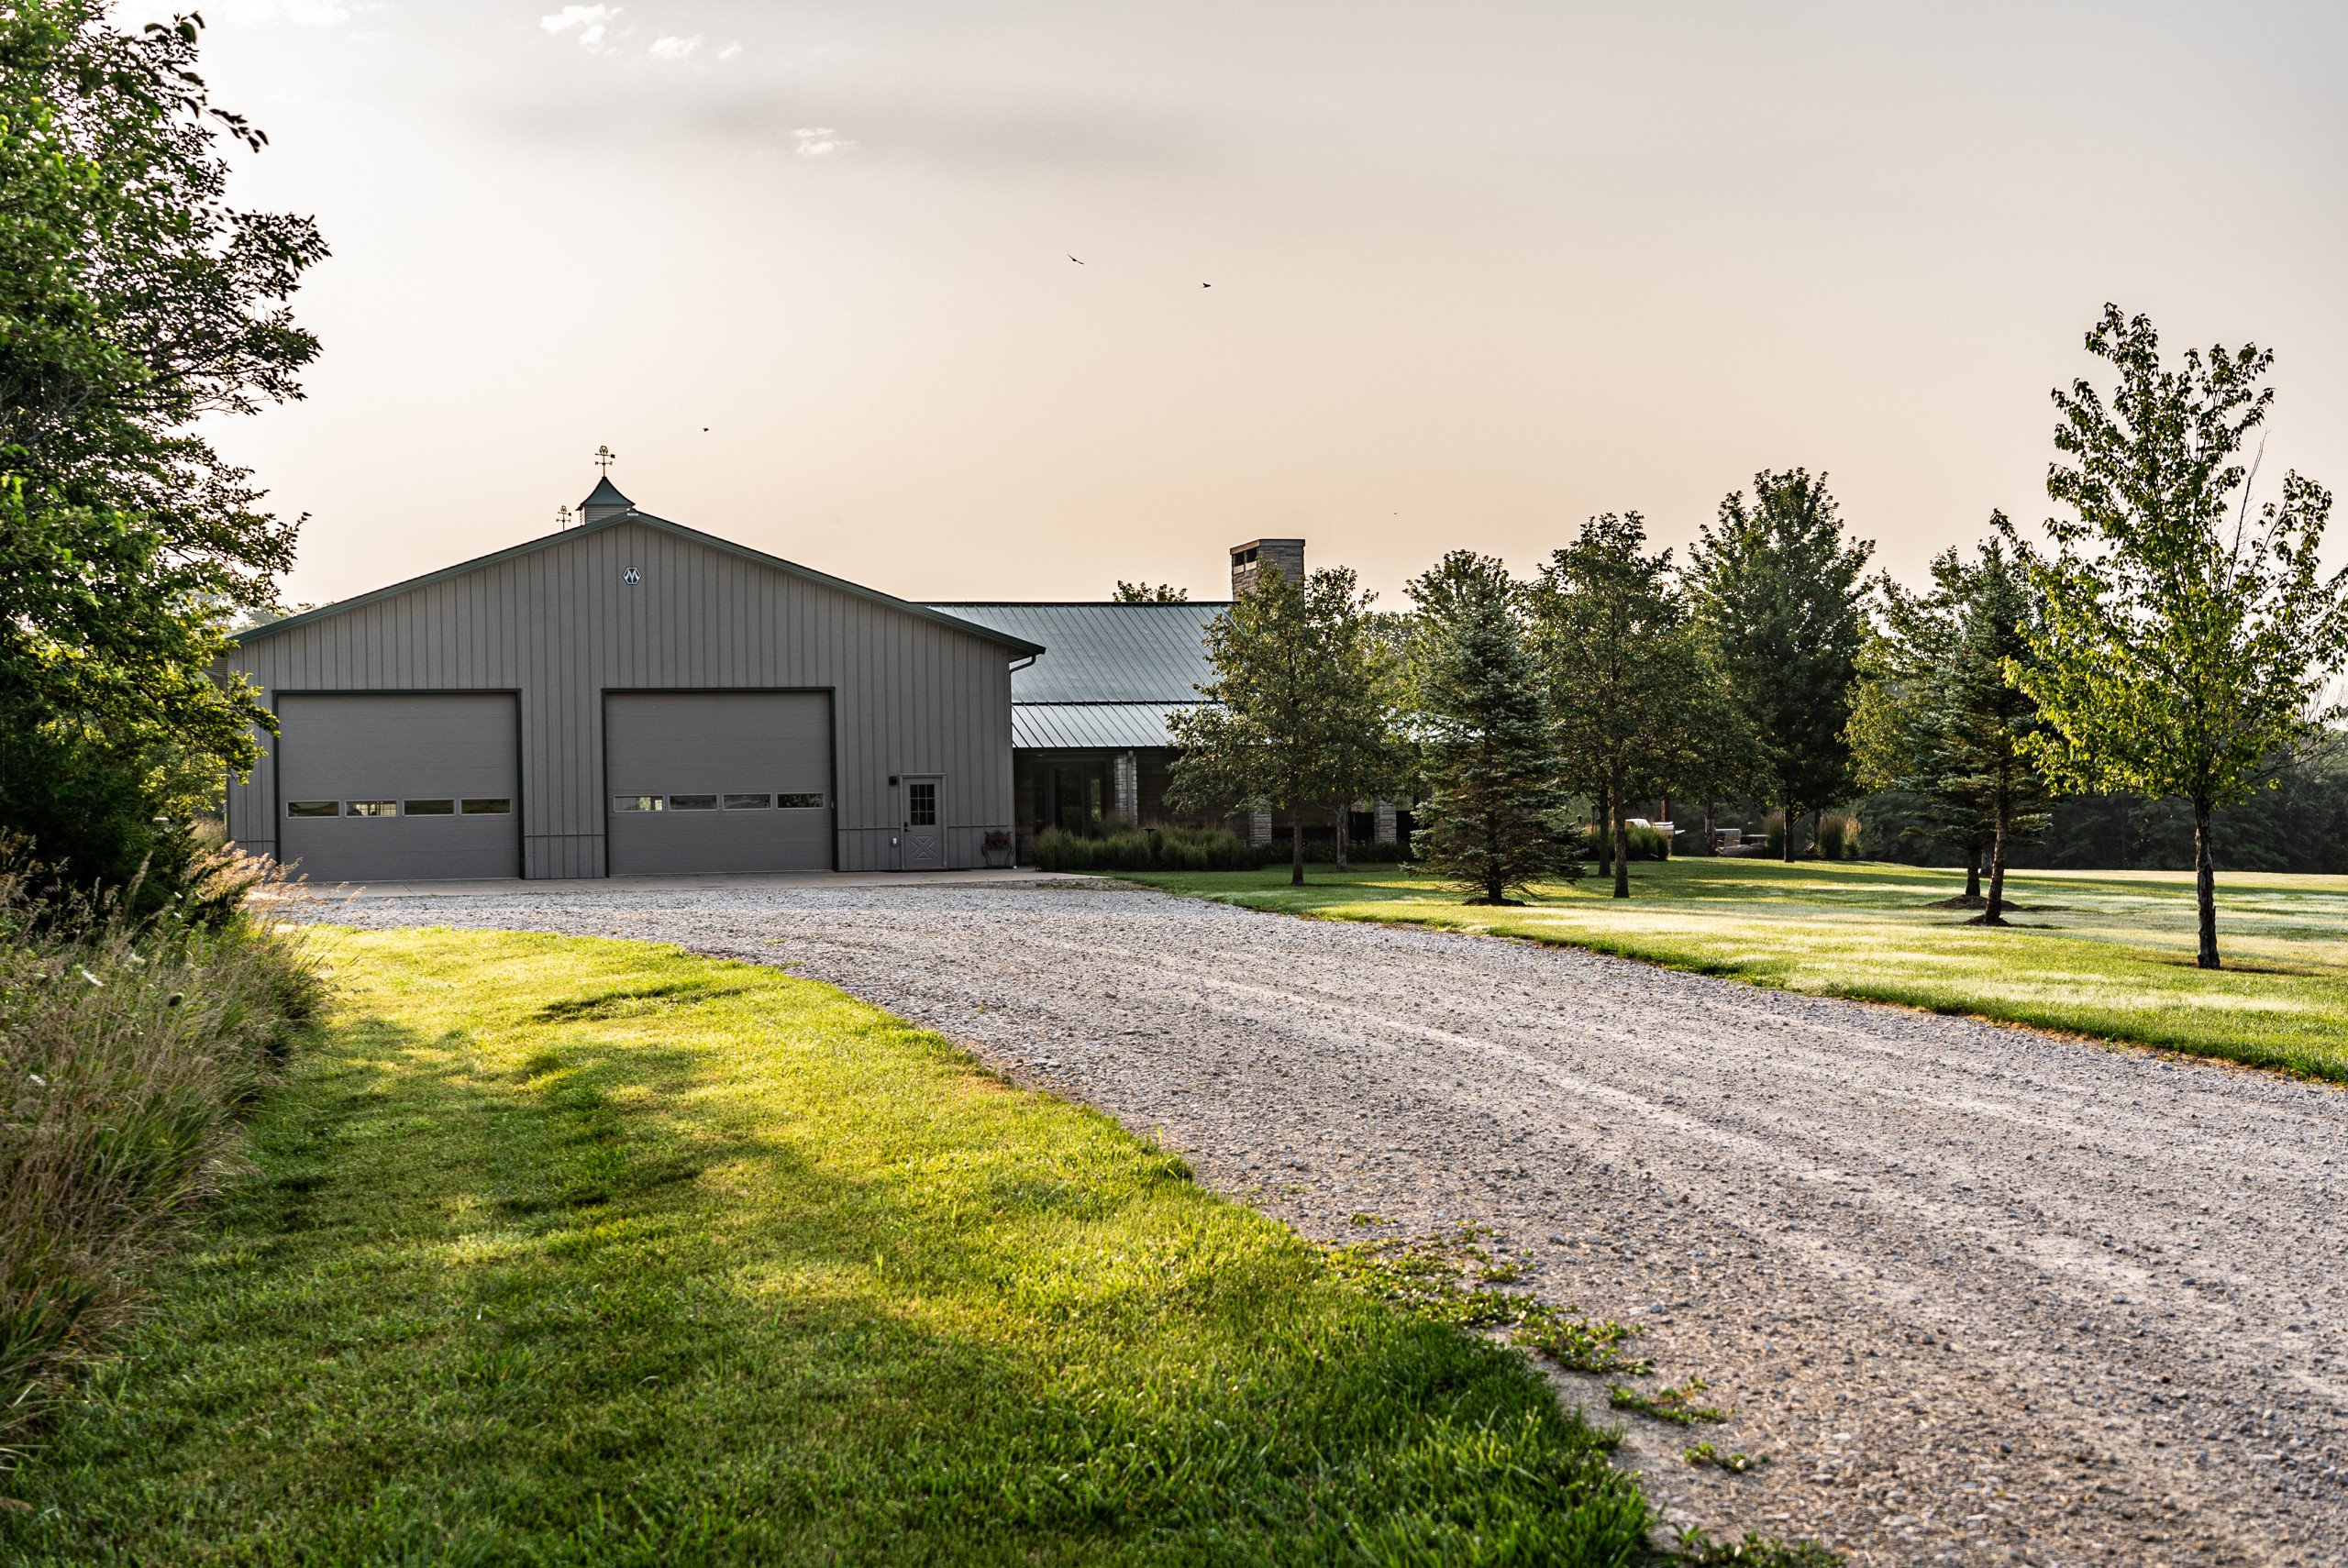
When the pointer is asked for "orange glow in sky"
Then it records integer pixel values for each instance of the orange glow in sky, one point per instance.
(1477, 271)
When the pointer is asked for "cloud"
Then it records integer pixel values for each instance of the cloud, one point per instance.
(820, 141)
(675, 48)
(593, 22)
(730, 51)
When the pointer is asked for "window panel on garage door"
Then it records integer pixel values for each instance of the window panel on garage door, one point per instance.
(709, 782)
(399, 785)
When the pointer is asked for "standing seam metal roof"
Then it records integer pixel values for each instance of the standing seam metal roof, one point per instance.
(1103, 653)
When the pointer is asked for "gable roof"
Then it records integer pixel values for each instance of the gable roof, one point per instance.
(1016, 645)
(1104, 652)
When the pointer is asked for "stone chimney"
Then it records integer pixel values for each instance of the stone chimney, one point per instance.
(1286, 555)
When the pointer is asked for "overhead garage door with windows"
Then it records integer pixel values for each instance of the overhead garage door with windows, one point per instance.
(712, 781)
(399, 785)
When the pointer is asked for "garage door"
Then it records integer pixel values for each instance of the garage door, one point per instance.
(707, 781)
(397, 787)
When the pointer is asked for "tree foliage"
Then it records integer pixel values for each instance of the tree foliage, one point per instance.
(134, 303)
(1494, 819)
(1620, 662)
(1777, 588)
(2187, 631)
(1299, 708)
(1149, 593)
(1938, 718)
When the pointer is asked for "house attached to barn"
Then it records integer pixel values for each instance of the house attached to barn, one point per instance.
(1092, 745)
(628, 696)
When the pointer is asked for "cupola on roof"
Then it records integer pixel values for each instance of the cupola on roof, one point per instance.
(604, 501)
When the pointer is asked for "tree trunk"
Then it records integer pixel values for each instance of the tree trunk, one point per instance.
(1708, 841)
(1622, 837)
(1605, 838)
(1817, 825)
(1296, 850)
(1790, 830)
(2205, 887)
(1345, 814)
(1994, 912)
(1972, 869)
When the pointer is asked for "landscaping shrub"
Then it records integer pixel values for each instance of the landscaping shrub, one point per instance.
(129, 1050)
(1192, 849)
(1147, 849)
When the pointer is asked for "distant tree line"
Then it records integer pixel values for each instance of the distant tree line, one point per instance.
(2142, 688)
(1497, 704)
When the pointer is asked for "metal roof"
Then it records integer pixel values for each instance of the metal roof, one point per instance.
(1092, 726)
(1150, 654)
(993, 633)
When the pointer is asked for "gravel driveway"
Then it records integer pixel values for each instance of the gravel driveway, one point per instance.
(1982, 1295)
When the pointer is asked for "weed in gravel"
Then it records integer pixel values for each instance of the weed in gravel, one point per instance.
(1697, 1550)
(1578, 1344)
(1367, 1219)
(1668, 1403)
(1426, 1275)
(1735, 1463)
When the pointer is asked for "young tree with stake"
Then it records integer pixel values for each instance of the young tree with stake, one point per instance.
(2186, 632)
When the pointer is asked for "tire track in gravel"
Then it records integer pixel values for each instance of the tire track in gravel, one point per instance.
(1984, 1295)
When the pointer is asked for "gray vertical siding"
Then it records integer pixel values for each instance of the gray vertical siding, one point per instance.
(559, 627)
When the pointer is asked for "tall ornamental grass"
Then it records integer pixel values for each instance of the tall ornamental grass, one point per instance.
(130, 1050)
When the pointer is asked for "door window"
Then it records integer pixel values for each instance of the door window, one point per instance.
(921, 804)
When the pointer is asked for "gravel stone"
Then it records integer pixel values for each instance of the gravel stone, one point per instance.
(1983, 1294)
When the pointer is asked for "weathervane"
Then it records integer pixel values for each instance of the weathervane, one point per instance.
(561, 518)
(604, 462)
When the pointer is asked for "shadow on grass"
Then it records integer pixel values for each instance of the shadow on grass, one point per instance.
(609, 1301)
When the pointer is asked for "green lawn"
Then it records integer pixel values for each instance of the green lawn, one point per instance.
(563, 1251)
(2108, 953)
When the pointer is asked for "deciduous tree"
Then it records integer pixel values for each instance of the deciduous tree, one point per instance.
(1299, 706)
(2189, 629)
(1149, 593)
(1617, 659)
(134, 303)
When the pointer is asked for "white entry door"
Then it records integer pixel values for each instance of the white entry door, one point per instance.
(921, 844)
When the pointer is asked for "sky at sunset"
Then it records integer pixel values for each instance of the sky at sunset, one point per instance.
(1477, 270)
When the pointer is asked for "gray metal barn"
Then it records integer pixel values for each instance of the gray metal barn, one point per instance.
(629, 696)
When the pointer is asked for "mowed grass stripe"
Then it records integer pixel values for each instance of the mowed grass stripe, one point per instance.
(2107, 953)
(566, 1251)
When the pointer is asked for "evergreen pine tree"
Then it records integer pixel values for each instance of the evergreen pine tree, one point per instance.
(1495, 821)
(1777, 588)
(1986, 721)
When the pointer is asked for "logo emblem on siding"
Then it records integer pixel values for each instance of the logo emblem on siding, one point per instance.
(631, 575)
